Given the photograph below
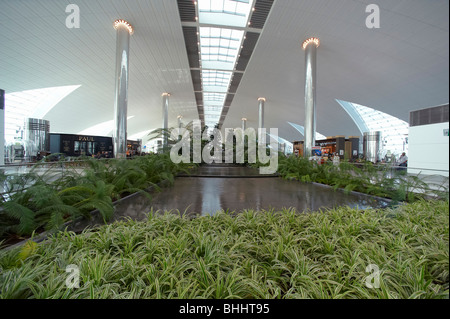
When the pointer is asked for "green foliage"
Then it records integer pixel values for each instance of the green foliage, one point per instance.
(368, 178)
(35, 201)
(27, 250)
(267, 254)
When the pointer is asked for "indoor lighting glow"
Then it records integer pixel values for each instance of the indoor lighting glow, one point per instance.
(120, 22)
(311, 40)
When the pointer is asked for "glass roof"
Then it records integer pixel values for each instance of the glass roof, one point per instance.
(213, 99)
(219, 52)
(394, 131)
(216, 81)
(220, 44)
(301, 129)
(225, 12)
(219, 47)
(289, 145)
(31, 104)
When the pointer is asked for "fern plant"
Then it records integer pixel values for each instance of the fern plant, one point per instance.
(39, 200)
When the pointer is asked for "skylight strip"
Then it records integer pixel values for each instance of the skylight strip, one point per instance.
(220, 84)
(225, 53)
(219, 49)
(219, 55)
(223, 11)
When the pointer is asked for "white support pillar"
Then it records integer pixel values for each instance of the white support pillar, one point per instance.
(261, 102)
(310, 46)
(165, 112)
(2, 127)
(124, 31)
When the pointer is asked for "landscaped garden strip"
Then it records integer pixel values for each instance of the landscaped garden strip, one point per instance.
(268, 254)
(36, 202)
(368, 178)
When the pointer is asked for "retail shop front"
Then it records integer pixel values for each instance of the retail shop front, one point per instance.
(84, 145)
(345, 148)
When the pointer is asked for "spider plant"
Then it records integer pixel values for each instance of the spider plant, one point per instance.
(367, 179)
(252, 254)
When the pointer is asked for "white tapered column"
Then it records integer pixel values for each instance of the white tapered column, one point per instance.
(124, 31)
(244, 123)
(2, 127)
(165, 111)
(261, 102)
(310, 46)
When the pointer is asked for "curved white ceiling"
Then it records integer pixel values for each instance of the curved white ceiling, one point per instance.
(31, 104)
(402, 66)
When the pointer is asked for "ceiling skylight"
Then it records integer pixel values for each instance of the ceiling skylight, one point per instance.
(393, 130)
(232, 13)
(222, 30)
(289, 146)
(214, 99)
(221, 37)
(31, 104)
(219, 47)
(213, 110)
(216, 81)
(301, 129)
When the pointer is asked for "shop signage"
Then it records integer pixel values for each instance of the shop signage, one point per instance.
(327, 143)
(85, 139)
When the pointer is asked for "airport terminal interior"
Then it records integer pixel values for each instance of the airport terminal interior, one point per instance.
(216, 149)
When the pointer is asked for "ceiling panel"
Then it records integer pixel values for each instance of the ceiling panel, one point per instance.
(400, 67)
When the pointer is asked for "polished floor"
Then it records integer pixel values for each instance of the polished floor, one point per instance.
(210, 189)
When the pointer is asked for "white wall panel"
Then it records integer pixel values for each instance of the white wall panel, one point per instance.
(428, 149)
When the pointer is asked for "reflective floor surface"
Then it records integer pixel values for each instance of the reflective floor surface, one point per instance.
(235, 189)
